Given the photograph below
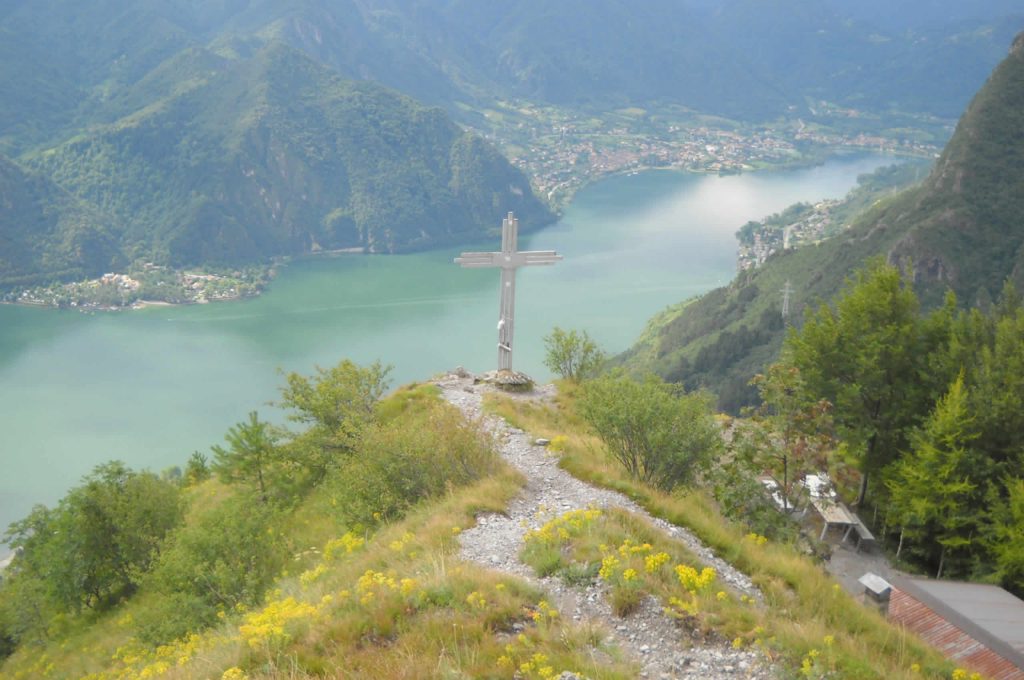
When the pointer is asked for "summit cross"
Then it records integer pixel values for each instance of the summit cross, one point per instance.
(508, 259)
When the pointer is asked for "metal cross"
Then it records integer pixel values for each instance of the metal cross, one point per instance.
(508, 259)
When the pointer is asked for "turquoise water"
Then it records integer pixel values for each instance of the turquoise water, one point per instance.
(151, 386)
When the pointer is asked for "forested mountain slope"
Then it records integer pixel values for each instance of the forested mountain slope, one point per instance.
(43, 228)
(180, 129)
(744, 59)
(229, 159)
(962, 228)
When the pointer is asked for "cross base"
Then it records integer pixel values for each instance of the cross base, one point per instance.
(508, 380)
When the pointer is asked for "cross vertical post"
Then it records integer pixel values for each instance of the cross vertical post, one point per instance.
(786, 291)
(508, 259)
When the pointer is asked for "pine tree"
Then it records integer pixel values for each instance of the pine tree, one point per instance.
(931, 490)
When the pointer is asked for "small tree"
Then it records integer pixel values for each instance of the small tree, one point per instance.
(249, 456)
(572, 355)
(1007, 536)
(661, 436)
(788, 436)
(336, 405)
(197, 469)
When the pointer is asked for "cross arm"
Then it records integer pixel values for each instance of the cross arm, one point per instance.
(508, 260)
(529, 257)
(479, 260)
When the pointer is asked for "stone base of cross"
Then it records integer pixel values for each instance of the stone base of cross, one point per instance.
(508, 259)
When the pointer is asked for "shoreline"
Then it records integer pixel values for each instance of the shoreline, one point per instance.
(803, 162)
(806, 161)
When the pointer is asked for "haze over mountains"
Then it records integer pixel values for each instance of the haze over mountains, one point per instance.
(746, 59)
(961, 229)
(188, 132)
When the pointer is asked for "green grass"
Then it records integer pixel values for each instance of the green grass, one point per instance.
(389, 600)
(394, 603)
(804, 606)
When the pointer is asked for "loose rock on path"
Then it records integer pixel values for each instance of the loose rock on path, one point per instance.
(659, 646)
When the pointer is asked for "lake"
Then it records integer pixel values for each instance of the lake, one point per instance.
(151, 386)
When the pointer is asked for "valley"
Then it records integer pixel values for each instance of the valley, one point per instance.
(790, 251)
(153, 385)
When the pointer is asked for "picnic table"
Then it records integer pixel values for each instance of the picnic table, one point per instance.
(833, 514)
(836, 514)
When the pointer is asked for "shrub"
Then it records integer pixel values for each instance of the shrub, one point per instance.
(227, 557)
(572, 355)
(661, 436)
(172, 616)
(94, 546)
(401, 463)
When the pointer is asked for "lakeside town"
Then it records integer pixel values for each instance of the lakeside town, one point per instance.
(798, 225)
(808, 223)
(561, 151)
(147, 284)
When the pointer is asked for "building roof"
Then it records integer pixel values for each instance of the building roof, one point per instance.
(987, 613)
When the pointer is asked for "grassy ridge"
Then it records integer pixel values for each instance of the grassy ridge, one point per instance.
(804, 606)
(388, 600)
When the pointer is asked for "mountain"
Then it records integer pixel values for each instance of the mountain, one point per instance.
(234, 159)
(962, 228)
(46, 234)
(188, 131)
(745, 59)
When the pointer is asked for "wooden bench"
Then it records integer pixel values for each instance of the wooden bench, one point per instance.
(864, 535)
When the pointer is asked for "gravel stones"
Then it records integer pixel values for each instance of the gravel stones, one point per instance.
(660, 647)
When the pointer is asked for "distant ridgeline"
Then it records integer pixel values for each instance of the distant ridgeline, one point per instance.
(744, 59)
(235, 155)
(961, 229)
(186, 132)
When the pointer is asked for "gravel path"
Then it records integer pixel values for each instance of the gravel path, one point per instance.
(660, 647)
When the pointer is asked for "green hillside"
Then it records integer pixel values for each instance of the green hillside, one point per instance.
(333, 550)
(235, 159)
(962, 228)
(46, 233)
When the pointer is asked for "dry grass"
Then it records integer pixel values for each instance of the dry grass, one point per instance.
(395, 603)
(808, 622)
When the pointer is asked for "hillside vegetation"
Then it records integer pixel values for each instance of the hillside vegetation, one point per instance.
(235, 155)
(961, 229)
(185, 133)
(322, 551)
(330, 550)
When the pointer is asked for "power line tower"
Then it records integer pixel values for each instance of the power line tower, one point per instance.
(786, 291)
